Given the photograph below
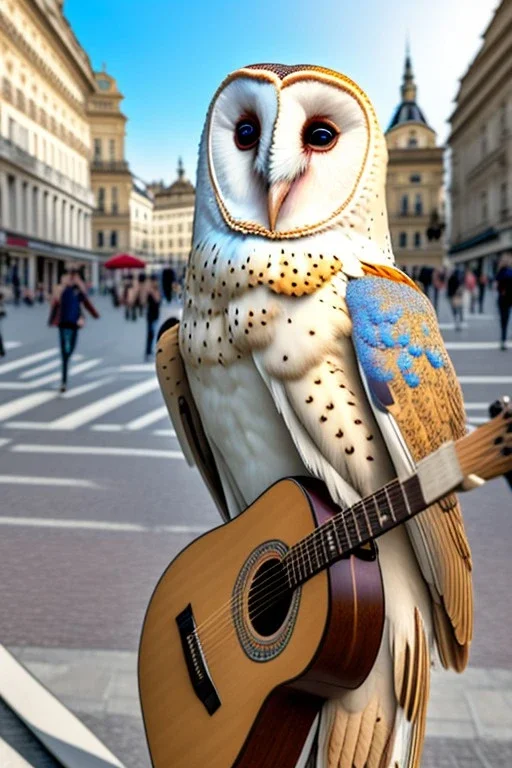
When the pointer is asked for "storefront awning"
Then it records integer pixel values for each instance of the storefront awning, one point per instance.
(9, 239)
(483, 237)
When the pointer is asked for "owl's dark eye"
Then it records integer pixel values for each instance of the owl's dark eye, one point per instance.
(247, 132)
(320, 135)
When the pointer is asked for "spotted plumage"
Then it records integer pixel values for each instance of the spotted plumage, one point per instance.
(307, 351)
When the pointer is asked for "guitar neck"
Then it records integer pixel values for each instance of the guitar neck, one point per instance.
(485, 452)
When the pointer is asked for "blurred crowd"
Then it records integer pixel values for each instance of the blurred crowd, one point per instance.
(466, 290)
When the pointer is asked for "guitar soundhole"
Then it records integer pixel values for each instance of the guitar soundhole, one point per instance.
(269, 598)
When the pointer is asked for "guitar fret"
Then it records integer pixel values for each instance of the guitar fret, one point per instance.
(390, 503)
(336, 534)
(366, 517)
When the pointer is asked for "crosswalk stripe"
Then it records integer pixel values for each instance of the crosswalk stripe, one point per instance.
(164, 432)
(22, 362)
(99, 525)
(485, 379)
(45, 367)
(12, 345)
(52, 377)
(58, 482)
(25, 403)
(83, 388)
(94, 410)
(465, 345)
(148, 418)
(92, 450)
(476, 406)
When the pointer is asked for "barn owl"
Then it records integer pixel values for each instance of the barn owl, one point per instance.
(305, 351)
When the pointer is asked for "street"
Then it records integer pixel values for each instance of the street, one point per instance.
(97, 499)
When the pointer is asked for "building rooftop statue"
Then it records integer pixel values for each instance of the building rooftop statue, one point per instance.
(408, 110)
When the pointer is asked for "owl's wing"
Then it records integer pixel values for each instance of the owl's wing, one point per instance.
(185, 417)
(419, 406)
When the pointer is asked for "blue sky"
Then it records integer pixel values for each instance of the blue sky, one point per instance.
(169, 57)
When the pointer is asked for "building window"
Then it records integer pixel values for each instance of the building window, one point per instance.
(402, 240)
(503, 118)
(100, 239)
(180, 242)
(101, 199)
(415, 178)
(404, 205)
(484, 210)
(413, 139)
(171, 243)
(180, 227)
(113, 239)
(115, 203)
(504, 200)
(97, 149)
(418, 206)
(483, 140)
(112, 149)
(417, 239)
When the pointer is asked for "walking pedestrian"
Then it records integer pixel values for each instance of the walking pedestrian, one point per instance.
(470, 286)
(482, 285)
(66, 313)
(153, 301)
(455, 293)
(504, 286)
(438, 281)
(16, 285)
(2, 315)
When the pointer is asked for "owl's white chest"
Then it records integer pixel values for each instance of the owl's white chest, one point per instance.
(241, 421)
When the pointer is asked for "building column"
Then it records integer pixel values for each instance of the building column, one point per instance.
(95, 274)
(18, 192)
(40, 213)
(5, 212)
(32, 272)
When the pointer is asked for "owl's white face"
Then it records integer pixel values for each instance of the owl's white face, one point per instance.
(288, 149)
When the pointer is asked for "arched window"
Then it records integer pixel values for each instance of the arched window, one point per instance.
(413, 139)
(418, 205)
(417, 239)
(415, 178)
(404, 205)
(402, 240)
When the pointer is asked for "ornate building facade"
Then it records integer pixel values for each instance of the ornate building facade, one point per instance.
(46, 201)
(481, 151)
(414, 183)
(123, 207)
(173, 217)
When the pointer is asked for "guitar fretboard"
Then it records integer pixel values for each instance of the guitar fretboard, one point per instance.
(393, 504)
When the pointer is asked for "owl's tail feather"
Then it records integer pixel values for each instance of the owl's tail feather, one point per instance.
(355, 740)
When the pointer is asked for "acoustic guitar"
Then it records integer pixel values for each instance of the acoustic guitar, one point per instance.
(259, 621)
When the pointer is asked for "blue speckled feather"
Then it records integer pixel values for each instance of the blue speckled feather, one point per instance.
(410, 375)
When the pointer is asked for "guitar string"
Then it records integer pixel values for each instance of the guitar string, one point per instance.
(304, 550)
(307, 547)
(211, 650)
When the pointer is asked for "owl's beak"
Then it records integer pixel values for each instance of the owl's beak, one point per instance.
(276, 197)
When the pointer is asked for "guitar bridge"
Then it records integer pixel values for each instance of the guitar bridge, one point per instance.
(197, 666)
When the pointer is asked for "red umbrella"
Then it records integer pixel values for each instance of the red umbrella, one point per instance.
(124, 261)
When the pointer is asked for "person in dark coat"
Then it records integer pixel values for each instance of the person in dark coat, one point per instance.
(153, 301)
(504, 286)
(66, 313)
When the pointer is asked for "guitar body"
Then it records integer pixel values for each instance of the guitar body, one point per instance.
(213, 658)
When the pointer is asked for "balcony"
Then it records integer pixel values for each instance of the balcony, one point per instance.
(113, 166)
(27, 162)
